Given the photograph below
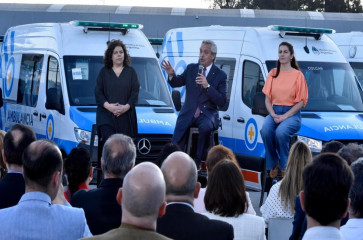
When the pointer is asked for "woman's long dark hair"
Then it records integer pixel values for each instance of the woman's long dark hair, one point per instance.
(294, 63)
(77, 167)
(226, 193)
(107, 59)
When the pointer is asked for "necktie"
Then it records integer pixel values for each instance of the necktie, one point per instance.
(197, 112)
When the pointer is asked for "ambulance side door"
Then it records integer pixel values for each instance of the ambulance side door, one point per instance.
(248, 147)
(27, 107)
(54, 105)
(228, 65)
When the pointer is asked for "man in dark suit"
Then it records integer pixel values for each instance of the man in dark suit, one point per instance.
(103, 212)
(143, 201)
(180, 221)
(12, 186)
(206, 87)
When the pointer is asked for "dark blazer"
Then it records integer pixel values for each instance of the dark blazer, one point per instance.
(208, 101)
(12, 187)
(103, 212)
(181, 222)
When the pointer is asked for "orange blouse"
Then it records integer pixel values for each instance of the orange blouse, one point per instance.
(288, 89)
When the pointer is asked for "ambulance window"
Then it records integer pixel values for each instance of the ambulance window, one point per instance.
(252, 82)
(54, 81)
(29, 79)
(228, 66)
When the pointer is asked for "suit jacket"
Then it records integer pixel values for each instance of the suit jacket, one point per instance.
(35, 217)
(127, 231)
(181, 222)
(12, 187)
(208, 101)
(103, 212)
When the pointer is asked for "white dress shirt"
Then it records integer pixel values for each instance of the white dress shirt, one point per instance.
(353, 229)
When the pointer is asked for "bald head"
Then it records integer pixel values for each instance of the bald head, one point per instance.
(143, 191)
(180, 174)
(40, 161)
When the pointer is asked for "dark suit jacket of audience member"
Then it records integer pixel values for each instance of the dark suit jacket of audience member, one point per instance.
(12, 187)
(181, 222)
(300, 224)
(103, 213)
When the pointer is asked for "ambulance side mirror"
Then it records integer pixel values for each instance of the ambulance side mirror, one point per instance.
(1, 98)
(258, 106)
(54, 101)
(175, 95)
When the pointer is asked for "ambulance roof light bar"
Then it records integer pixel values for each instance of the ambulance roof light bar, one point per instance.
(106, 26)
(301, 31)
(156, 41)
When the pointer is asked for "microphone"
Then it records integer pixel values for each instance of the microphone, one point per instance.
(200, 70)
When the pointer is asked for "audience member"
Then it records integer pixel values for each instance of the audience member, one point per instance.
(103, 213)
(226, 200)
(3, 169)
(281, 200)
(326, 184)
(78, 167)
(143, 201)
(351, 152)
(12, 186)
(215, 155)
(332, 147)
(353, 229)
(35, 217)
(180, 220)
(168, 149)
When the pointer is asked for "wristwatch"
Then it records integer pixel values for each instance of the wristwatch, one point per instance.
(208, 86)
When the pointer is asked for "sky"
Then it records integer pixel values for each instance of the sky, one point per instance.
(146, 3)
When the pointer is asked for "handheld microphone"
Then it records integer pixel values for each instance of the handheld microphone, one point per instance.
(200, 70)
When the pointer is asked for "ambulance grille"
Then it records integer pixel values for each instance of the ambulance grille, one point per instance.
(157, 142)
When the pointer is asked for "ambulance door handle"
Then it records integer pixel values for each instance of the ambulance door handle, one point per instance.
(226, 117)
(241, 120)
(43, 115)
(35, 113)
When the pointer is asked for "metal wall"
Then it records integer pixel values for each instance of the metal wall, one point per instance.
(157, 21)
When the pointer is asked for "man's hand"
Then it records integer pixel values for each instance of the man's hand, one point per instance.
(168, 68)
(201, 80)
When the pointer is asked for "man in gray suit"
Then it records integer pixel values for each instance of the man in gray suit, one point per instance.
(35, 217)
(142, 197)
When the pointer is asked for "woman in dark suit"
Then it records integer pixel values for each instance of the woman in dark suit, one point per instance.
(116, 93)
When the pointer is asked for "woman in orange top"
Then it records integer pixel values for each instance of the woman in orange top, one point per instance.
(286, 93)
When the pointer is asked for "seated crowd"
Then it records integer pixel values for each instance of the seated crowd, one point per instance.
(323, 195)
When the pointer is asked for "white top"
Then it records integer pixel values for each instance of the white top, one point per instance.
(353, 229)
(199, 206)
(245, 226)
(273, 207)
(322, 233)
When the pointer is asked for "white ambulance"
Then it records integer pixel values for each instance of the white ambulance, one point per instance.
(351, 45)
(335, 107)
(49, 72)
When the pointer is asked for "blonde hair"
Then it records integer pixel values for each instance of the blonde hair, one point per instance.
(292, 183)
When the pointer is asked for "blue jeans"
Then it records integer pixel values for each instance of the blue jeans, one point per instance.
(276, 137)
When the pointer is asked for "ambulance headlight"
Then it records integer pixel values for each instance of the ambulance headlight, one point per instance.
(314, 145)
(84, 136)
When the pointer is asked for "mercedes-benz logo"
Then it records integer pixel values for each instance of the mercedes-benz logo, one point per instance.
(144, 146)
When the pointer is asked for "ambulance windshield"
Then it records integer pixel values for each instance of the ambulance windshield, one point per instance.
(332, 87)
(82, 71)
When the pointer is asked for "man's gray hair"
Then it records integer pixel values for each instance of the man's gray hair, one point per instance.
(187, 188)
(118, 155)
(212, 44)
